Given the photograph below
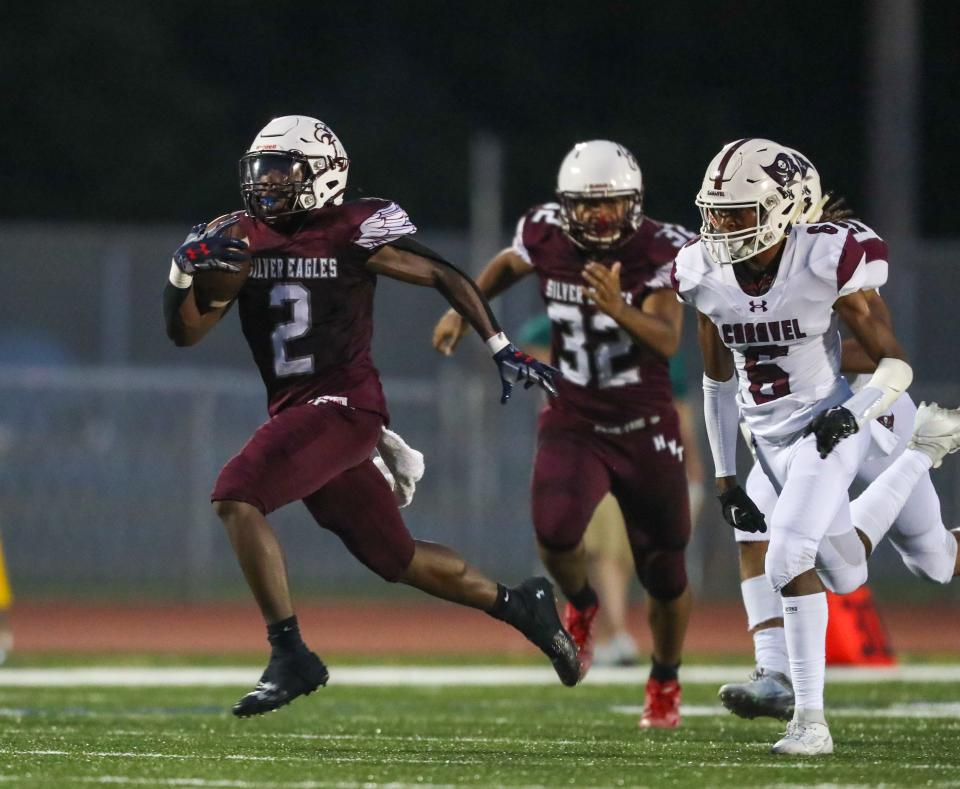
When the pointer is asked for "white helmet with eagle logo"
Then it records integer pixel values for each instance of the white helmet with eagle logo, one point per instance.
(296, 163)
(594, 174)
(753, 174)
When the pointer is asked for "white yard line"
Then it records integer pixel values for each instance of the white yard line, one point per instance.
(434, 676)
(920, 709)
(439, 760)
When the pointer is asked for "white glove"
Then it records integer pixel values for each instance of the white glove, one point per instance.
(401, 465)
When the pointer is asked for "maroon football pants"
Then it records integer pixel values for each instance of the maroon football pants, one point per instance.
(576, 466)
(320, 454)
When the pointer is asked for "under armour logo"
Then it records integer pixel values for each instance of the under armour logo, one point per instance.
(539, 594)
(758, 305)
(192, 252)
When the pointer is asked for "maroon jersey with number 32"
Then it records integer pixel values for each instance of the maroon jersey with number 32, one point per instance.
(307, 307)
(607, 377)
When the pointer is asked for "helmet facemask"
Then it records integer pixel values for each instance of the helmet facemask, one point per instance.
(772, 216)
(276, 184)
(280, 184)
(600, 221)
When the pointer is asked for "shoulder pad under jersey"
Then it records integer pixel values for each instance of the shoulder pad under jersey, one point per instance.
(377, 222)
(534, 227)
(691, 266)
(837, 257)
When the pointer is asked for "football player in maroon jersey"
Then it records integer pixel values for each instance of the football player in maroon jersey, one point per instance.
(604, 273)
(306, 312)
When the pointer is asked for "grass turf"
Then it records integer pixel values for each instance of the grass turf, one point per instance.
(516, 736)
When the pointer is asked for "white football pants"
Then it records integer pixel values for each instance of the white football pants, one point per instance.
(811, 500)
(927, 548)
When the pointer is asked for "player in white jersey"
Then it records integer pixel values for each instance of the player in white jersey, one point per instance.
(770, 295)
(928, 549)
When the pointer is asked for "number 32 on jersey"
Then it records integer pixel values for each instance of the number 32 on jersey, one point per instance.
(594, 350)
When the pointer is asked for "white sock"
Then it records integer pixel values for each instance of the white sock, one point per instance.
(763, 604)
(770, 649)
(760, 601)
(805, 626)
(875, 510)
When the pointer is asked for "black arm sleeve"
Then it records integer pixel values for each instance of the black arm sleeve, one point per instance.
(456, 286)
(173, 297)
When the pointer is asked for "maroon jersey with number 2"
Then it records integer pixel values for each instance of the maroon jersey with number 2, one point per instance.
(307, 306)
(307, 314)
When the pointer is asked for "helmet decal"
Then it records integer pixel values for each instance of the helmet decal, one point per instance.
(804, 164)
(783, 169)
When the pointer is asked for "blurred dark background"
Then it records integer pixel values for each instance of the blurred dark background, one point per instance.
(134, 112)
(122, 127)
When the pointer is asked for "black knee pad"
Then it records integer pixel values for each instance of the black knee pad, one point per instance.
(663, 573)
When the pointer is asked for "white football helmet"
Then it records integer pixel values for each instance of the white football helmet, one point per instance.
(294, 164)
(600, 189)
(813, 197)
(749, 174)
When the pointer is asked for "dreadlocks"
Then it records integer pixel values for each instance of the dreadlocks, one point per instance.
(836, 210)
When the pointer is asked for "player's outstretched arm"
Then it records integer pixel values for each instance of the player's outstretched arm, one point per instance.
(408, 261)
(506, 268)
(657, 323)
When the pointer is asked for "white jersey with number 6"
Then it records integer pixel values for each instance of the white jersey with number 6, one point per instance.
(785, 341)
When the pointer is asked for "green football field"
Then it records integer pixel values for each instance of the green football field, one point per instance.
(119, 731)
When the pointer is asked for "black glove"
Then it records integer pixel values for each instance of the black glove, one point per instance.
(831, 427)
(740, 511)
(514, 363)
(204, 250)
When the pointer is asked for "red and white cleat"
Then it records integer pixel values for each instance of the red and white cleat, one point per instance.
(661, 710)
(579, 624)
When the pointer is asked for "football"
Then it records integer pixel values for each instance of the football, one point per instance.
(218, 288)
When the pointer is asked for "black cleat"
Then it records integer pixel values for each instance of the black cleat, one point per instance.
(541, 625)
(285, 678)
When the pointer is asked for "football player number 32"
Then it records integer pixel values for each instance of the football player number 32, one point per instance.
(298, 297)
(609, 350)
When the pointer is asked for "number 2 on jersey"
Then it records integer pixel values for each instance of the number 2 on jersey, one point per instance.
(607, 356)
(298, 297)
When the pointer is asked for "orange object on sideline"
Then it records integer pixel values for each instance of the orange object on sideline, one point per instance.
(855, 634)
